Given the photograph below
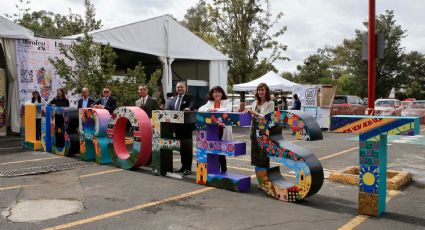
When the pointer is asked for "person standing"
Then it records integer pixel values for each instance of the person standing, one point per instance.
(60, 100)
(183, 102)
(86, 101)
(170, 97)
(277, 102)
(146, 102)
(37, 101)
(296, 104)
(217, 102)
(284, 103)
(106, 102)
(262, 106)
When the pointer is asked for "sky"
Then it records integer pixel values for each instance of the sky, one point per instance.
(312, 24)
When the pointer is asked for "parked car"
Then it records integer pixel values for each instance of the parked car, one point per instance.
(237, 103)
(388, 107)
(414, 109)
(348, 105)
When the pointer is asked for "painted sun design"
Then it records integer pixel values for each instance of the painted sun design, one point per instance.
(369, 179)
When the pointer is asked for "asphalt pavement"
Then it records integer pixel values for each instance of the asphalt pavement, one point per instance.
(112, 198)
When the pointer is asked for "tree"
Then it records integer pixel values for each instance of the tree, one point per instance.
(127, 88)
(94, 63)
(243, 30)
(263, 67)
(346, 60)
(48, 24)
(316, 69)
(414, 66)
(196, 20)
(389, 70)
(414, 90)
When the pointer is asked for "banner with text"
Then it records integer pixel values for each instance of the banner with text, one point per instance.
(36, 73)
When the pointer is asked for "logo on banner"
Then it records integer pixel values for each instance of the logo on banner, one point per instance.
(310, 97)
(40, 45)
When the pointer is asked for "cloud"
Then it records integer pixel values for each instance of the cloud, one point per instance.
(312, 24)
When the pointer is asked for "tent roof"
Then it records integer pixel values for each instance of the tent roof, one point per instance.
(160, 36)
(272, 79)
(10, 29)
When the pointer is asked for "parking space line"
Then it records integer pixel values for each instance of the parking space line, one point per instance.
(356, 221)
(11, 148)
(9, 139)
(337, 154)
(135, 208)
(100, 173)
(12, 187)
(32, 160)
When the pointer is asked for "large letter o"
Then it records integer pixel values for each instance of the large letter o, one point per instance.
(142, 133)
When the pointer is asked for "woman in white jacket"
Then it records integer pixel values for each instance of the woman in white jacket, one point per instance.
(217, 102)
(262, 106)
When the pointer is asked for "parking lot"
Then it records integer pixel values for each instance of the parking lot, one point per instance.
(112, 198)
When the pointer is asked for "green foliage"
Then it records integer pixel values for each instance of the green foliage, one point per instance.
(196, 20)
(94, 64)
(345, 63)
(48, 24)
(126, 89)
(345, 85)
(415, 90)
(315, 68)
(414, 64)
(262, 68)
(289, 76)
(241, 30)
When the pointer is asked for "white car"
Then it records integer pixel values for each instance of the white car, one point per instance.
(237, 103)
(388, 107)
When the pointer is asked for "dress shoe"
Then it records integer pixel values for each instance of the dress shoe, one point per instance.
(187, 172)
(180, 170)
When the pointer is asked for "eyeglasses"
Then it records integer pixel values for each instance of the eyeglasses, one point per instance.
(106, 91)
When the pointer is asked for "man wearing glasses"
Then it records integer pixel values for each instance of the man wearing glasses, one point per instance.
(107, 101)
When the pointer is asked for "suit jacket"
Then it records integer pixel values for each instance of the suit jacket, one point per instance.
(111, 104)
(150, 104)
(90, 102)
(187, 102)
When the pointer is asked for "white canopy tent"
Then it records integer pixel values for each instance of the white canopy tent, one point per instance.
(9, 31)
(164, 37)
(272, 79)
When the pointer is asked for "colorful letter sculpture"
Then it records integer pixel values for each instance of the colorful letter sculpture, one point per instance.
(164, 142)
(209, 147)
(94, 139)
(373, 132)
(30, 141)
(61, 135)
(142, 136)
(307, 168)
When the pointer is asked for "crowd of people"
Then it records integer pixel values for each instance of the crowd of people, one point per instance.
(216, 102)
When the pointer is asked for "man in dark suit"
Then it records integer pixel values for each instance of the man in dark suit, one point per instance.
(106, 102)
(86, 101)
(146, 102)
(183, 102)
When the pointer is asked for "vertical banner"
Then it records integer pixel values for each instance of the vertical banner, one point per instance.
(35, 72)
(307, 95)
(3, 124)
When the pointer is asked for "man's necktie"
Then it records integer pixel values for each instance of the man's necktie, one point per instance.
(178, 103)
(143, 101)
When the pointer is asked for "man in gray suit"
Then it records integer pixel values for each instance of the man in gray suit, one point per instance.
(146, 102)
